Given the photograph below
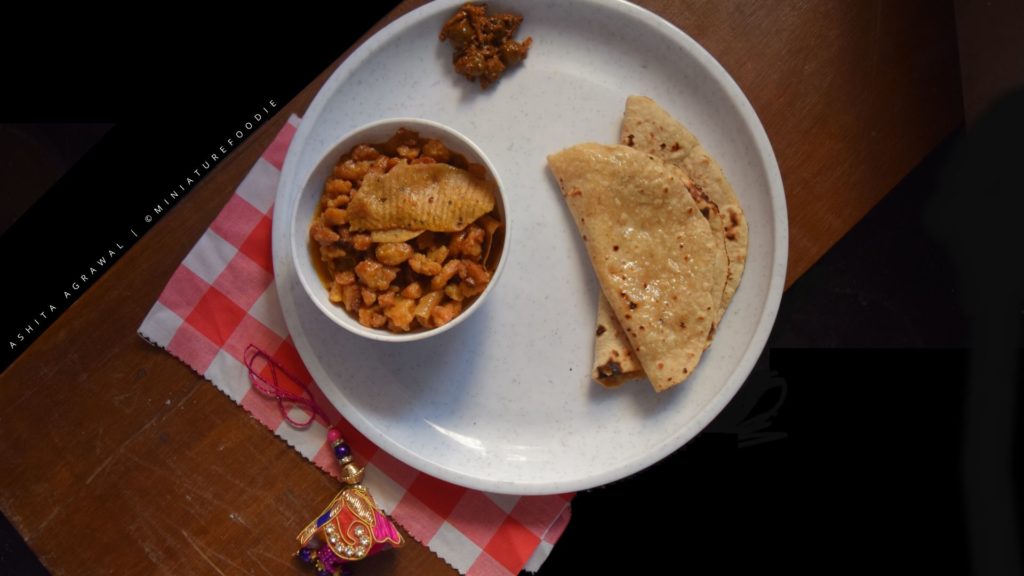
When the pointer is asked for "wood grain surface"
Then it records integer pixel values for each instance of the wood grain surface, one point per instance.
(168, 476)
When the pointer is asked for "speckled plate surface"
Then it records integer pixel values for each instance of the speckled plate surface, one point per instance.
(504, 403)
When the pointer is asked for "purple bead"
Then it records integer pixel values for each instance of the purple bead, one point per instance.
(329, 559)
(341, 451)
(306, 555)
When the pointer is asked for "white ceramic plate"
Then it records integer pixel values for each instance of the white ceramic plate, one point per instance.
(504, 403)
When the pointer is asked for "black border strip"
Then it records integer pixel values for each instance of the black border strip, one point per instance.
(174, 108)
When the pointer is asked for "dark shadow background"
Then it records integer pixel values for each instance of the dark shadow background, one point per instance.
(35, 156)
(880, 430)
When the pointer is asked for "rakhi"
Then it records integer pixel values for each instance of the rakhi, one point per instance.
(352, 526)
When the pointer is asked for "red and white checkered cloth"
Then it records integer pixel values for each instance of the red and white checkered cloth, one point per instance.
(222, 298)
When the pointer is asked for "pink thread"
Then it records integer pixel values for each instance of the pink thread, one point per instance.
(271, 389)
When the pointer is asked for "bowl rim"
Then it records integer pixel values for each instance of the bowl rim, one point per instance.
(299, 249)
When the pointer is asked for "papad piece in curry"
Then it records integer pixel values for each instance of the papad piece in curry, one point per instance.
(651, 249)
(435, 197)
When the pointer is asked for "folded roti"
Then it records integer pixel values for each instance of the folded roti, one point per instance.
(651, 248)
(614, 361)
(649, 128)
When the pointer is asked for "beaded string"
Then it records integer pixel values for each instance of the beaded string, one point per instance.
(272, 389)
(326, 543)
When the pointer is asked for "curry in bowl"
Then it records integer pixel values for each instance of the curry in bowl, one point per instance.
(407, 233)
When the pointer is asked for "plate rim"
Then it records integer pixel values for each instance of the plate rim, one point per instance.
(672, 442)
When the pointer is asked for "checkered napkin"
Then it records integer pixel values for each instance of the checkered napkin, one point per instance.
(222, 299)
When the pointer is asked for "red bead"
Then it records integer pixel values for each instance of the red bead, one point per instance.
(333, 435)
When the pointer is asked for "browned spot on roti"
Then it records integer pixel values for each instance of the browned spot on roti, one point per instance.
(610, 368)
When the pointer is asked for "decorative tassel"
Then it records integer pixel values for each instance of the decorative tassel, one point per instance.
(352, 527)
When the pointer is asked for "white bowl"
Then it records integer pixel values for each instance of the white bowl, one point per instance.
(309, 197)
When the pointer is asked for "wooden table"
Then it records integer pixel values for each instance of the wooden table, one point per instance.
(167, 475)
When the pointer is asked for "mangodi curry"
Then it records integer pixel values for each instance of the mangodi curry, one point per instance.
(404, 233)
